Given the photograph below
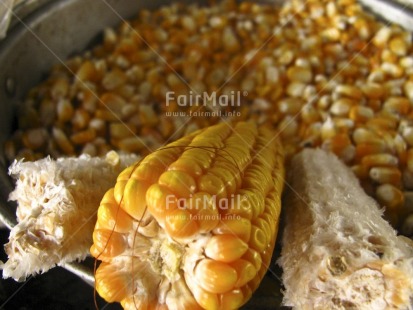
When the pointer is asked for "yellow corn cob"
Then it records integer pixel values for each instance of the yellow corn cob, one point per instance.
(193, 225)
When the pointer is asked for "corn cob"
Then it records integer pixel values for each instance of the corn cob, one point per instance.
(56, 210)
(338, 252)
(193, 225)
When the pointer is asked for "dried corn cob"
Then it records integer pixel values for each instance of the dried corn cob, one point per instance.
(56, 210)
(193, 225)
(338, 252)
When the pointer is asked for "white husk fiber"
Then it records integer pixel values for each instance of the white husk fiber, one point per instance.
(57, 202)
(338, 252)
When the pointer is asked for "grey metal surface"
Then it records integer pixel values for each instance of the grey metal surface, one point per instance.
(393, 11)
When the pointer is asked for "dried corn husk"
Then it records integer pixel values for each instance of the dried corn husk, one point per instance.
(57, 202)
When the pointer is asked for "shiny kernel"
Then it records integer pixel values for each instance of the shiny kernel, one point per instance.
(366, 136)
(215, 277)
(373, 91)
(342, 107)
(398, 46)
(112, 284)
(349, 91)
(245, 270)
(290, 105)
(160, 200)
(232, 300)
(83, 137)
(225, 248)
(390, 196)
(258, 240)
(179, 224)
(62, 141)
(384, 175)
(133, 200)
(399, 105)
(360, 113)
(212, 185)
(380, 160)
(111, 216)
(178, 182)
(238, 226)
(364, 149)
(107, 243)
(301, 74)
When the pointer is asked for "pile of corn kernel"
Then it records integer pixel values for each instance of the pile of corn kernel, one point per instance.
(326, 73)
